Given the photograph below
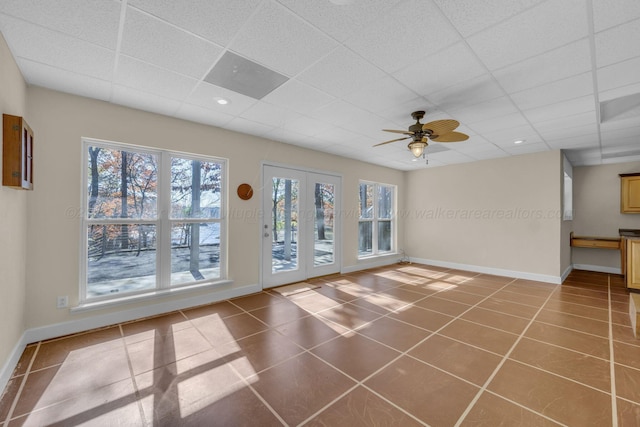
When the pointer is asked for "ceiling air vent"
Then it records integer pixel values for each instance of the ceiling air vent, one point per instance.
(241, 75)
(621, 108)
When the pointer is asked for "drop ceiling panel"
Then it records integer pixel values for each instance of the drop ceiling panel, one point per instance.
(492, 109)
(269, 114)
(149, 78)
(608, 13)
(608, 48)
(43, 75)
(298, 96)
(58, 50)
(552, 93)
(205, 95)
(508, 121)
(441, 70)
(556, 23)
(619, 75)
(583, 120)
(203, 115)
(475, 91)
(401, 36)
(572, 107)
(584, 141)
(338, 113)
(339, 21)
(492, 154)
(307, 126)
(526, 148)
(144, 101)
(156, 42)
(565, 61)
(94, 21)
(506, 137)
(341, 72)
(267, 40)
(240, 124)
(469, 17)
(215, 20)
(387, 92)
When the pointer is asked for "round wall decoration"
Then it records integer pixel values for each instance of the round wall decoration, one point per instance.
(245, 192)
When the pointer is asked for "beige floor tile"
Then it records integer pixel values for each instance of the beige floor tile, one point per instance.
(25, 360)
(221, 309)
(496, 319)
(484, 337)
(570, 339)
(577, 309)
(520, 298)
(578, 323)
(461, 296)
(509, 307)
(628, 383)
(258, 300)
(9, 395)
(628, 413)
(491, 410)
(394, 333)
(311, 331)
(154, 327)
(422, 318)
(278, 314)
(221, 331)
(443, 306)
(349, 315)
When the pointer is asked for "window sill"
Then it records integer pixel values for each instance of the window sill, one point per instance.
(378, 256)
(147, 296)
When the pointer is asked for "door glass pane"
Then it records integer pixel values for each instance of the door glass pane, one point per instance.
(195, 252)
(284, 224)
(121, 258)
(384, 236)
(323, 224)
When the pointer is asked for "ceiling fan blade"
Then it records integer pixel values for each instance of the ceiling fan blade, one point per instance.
(393, 140)
(451, 137)
(406, 132)
(440, 127)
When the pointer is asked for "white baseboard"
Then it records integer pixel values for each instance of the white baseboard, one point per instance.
(102, 320)
(556, 280)
(597, 268)
(566, 273)
(365, 264)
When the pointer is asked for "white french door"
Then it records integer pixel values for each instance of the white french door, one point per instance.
(301, 225)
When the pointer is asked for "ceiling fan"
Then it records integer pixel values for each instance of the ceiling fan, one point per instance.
(438, 130)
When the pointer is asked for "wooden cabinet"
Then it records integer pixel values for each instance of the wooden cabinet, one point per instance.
(17, 153)
(633, 263)
(630, 193)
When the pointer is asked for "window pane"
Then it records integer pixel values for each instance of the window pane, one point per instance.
(195, 188)
(195, 252)
(121, 258)
(384, 236)
(365, 237)
(385, 201)
(121, 184)
(366, 201)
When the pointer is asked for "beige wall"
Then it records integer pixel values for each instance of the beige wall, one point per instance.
(501, 214)
(13, 226)
(596, 201)
(54, 228)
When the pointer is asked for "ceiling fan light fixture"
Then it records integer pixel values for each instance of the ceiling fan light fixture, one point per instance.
(417, 148)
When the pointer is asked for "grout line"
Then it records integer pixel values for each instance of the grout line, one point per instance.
(22, 384)
(500, 364)
(136, 389)
(612, 365)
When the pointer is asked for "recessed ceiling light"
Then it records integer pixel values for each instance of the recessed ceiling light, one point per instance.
(221, 101)
(519, 141)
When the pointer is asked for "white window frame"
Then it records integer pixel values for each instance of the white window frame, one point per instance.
(375, 220)
(162, 223)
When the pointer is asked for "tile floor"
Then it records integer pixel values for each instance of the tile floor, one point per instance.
(400, 346)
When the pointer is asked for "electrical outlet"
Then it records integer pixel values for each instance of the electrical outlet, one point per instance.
(63, 302)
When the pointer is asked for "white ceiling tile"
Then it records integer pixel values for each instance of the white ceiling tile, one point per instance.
(94, 21)
(566, 61)
(341, 72)
(387, 92)
(552, 93)
(535, 147)
(215, 20)
(491, 154)
(339, 21)
(544, 27)
(58, 50)
(269, 114)
(618, 75)
(494, 108)
(400, 114)
(480, 89)
(65, 81)
(240, 124)
(144, 101)
(608, 132)
(631, 141)
(608, 13)
(203, 115)
(307, 126)
(403, 35)
(441, 70)
(151, 40)
(575, 142)
(472, 145)
(298, 96)
(609, 50)
(205, 95)
(470, 17)
(564, 122)
(499, 123)
(607, 95)
(149, 78)
(506, 137)
(553, 133)
(338, 112)
(267, 39)
(585, 104)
